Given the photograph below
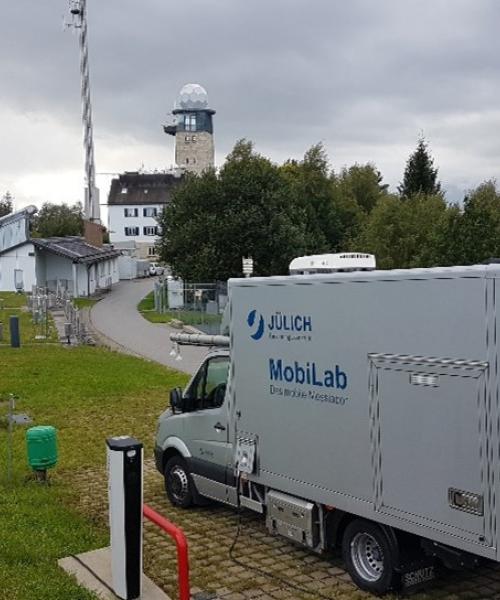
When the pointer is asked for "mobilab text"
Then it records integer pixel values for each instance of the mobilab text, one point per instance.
(308, 374)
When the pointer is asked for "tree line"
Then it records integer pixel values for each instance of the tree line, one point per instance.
(273, 213)
(52, 220)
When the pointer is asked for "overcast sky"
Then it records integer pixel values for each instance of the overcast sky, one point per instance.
(362, 76)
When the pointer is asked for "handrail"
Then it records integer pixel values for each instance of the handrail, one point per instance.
(182, 548)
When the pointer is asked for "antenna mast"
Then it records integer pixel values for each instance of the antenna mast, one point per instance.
(78, 12)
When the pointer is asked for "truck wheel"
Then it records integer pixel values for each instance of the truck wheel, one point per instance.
(178, 483)
(368, 556)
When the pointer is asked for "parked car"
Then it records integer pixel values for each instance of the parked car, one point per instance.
(156, 269)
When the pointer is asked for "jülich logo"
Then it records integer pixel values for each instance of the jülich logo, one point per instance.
(256, 321)
(278, 322)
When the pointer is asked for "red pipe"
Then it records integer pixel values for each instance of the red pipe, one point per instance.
(182, 548)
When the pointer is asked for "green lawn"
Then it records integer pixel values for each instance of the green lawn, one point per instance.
(12, 300)
(12, 304)
(189, 317)
(84, 302)
(88, 394)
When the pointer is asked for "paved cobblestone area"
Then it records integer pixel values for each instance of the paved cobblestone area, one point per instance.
(272, 569)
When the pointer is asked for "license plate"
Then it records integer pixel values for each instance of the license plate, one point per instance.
(411, 579)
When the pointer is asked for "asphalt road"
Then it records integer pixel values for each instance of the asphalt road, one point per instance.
(117, 318)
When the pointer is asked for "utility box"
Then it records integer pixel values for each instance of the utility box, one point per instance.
(42, 447)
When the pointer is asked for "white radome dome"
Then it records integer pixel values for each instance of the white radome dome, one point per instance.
(192, 96)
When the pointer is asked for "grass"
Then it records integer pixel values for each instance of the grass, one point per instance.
(88, 394)
(12, 304)
(147, 303)
(12, 300)
(189, 317)
(84, 302)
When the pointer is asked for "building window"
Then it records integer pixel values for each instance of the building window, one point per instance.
(151, 251)
(124, 190)
(131, 212)
(187, 138)
(187, 161)
(131, 230)
(194, 138)
(190, 122)
(150, 211)
(150, 230)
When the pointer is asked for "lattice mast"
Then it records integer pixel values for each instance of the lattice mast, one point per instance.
(78, 12)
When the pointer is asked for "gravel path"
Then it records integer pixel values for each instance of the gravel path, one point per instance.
(116, 317)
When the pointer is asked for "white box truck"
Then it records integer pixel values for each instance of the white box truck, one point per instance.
(354, 410)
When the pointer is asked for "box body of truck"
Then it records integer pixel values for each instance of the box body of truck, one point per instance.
(374, 393)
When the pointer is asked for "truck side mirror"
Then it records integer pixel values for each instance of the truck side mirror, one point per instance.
(176, 399)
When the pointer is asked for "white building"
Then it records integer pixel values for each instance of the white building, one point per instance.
(71, 261)
(135, 203)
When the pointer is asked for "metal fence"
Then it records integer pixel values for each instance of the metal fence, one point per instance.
(198, 304)
(43, 299)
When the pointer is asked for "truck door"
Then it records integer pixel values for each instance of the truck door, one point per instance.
(431, 444)
(207, 426)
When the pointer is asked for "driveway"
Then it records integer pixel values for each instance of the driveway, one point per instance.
(116, 317)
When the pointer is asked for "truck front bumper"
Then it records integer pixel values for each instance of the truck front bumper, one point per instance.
(159, 458)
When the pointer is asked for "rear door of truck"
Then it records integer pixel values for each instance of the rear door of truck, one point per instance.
(430, 428)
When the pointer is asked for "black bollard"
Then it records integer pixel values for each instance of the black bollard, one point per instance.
(15, 339)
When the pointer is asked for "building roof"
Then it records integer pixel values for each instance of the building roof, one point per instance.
(142, 188)
(76, 249)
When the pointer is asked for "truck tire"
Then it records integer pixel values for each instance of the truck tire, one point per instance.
(178, 482)
(369, 557)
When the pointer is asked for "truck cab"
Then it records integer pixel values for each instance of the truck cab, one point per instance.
(193, 449)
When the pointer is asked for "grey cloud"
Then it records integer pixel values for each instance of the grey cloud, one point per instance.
(285, 73)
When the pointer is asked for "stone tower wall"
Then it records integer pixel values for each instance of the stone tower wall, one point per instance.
(194, 155)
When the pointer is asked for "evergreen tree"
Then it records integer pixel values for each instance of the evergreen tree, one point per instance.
(6, 204)
(420, 176)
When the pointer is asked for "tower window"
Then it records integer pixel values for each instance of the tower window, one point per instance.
(190, 122)
(187, 161)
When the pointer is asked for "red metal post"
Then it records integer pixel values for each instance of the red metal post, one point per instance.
(182, 548)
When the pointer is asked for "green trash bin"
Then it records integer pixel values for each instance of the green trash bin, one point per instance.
(42, 448)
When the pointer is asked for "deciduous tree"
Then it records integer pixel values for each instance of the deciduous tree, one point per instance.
(6, 204)
(58, 220)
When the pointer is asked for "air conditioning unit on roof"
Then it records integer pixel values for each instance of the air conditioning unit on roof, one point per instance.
(332, 263)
